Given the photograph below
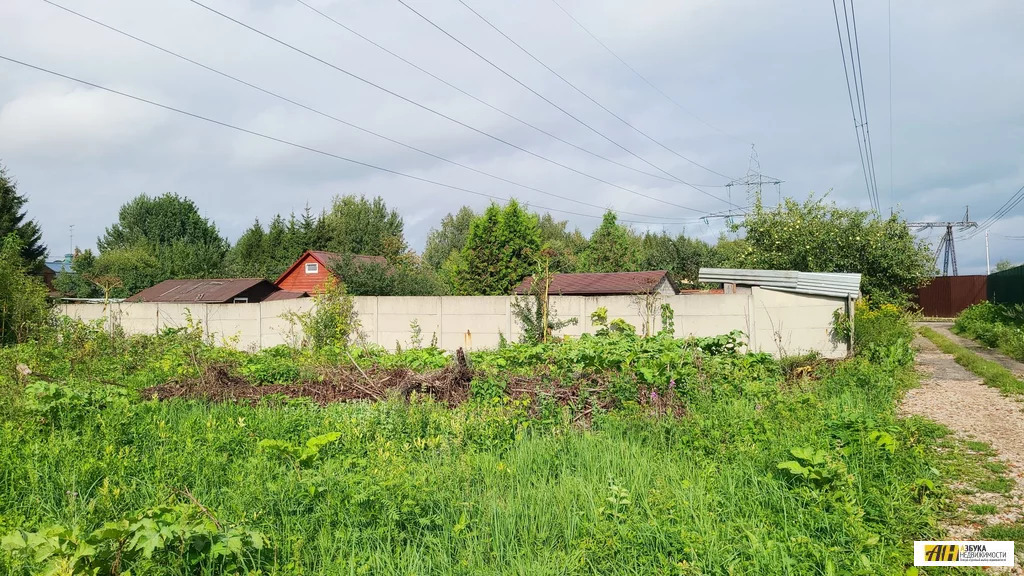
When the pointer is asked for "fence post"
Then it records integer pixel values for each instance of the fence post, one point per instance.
(752, 320)
(259, 326)
(376, 320)
(440, 322)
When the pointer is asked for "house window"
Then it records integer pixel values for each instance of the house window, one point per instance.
(241, 300)
(312, 268)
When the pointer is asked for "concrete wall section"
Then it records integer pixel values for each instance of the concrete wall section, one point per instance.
(396, 315)
(703, 315)
(775, 322)
(277, 327)
(474, 321)
(792, 324)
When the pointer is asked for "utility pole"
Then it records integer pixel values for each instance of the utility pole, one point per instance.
(988, 263)
(946, 246)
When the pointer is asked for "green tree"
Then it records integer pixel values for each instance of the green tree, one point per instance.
(405, 276)
(266, 252)
(1003, 265)
(128, 270)
(12, 220)
(500, 251)
(657, 252)
(184, 244)
(612, 248)
(356, 225)
(449, 238)
(23, 307)
(816, 236)
(74, 283)
(307, 233)
(727, 251)
(116, 273)
(564, 247)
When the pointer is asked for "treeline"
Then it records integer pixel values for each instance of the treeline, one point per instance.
(160, 237)
(156, 238)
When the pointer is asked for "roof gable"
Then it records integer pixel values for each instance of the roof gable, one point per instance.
(324, 258)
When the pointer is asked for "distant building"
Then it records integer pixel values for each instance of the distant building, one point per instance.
(312, 269)
(606, 284)
(51, 269)
(214, 291)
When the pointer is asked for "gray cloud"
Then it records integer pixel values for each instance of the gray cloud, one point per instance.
(759, 72)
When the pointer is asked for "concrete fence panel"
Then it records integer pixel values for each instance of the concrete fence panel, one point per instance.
(705, 315)
(396, 316)
(277, 323)
(775, 322)
(791, 324)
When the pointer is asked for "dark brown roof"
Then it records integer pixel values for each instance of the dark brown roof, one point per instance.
(211, 290)
(285, 295)
(600, 284)
(325, 258)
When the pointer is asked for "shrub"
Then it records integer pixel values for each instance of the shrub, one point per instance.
(23, 308)
(881, 334)
(994, 325)
(333, 320)
(880, 326)
(275, 365)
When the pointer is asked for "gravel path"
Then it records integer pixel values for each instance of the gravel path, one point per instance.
(980, 349)
(956, 398)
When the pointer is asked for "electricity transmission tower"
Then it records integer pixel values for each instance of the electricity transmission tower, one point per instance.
(946, 245)
(754, 180)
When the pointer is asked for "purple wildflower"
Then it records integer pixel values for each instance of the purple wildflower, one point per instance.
(654, 395)
(671, 384)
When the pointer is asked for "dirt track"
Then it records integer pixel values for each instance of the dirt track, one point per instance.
(1009, 363)
(956, 398)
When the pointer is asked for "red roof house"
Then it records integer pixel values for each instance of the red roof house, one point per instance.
(312, 270)
(606, 284)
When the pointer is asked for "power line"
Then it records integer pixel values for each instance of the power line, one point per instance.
(482, 101)
(546, 99)
(853, 110)
(641, 76)
(334, 118)
(891, 153)
(290, 143)
(584, 94)
(436, 112)
(862, 97)
(1001, 212)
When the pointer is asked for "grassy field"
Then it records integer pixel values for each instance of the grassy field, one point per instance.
(605, 455)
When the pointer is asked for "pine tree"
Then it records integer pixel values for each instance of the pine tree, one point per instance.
(500, 251)
(12, 219)
(612, 248)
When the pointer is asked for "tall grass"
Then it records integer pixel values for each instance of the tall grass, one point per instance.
(487, 488)
(994, 325)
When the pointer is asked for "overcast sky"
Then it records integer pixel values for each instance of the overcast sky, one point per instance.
(740, 72)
